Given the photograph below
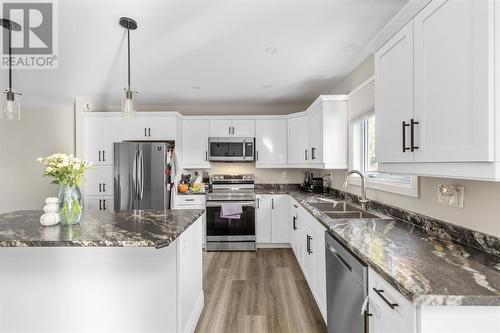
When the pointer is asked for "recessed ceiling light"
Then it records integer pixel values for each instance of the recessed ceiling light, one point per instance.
(271, 50)
(266, 86)
(196, 87)
(350, 47)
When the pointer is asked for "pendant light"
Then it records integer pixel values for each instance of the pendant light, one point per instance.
(11, 109)
(128, 106)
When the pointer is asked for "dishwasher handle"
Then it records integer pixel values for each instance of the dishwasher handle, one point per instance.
(339, 257)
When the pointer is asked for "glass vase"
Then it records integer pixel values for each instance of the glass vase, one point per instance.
(70, 204)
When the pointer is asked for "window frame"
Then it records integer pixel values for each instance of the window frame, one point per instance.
(410, 189)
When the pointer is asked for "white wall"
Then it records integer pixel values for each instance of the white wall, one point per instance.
(39, 133)
(262, 176)
(481, 210)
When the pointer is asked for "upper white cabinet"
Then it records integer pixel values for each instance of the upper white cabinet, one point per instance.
(453, 72)
(100, 132)
(271, 143)
(394, 96)
(232, 128)
(150, 127)
(195, 143)
(298, 141)
(327, 132)
(435, 88)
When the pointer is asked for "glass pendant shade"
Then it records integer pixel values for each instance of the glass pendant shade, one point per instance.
(129, 106)
(11, 109)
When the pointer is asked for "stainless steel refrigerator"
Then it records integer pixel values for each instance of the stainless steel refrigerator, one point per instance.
(143, 175)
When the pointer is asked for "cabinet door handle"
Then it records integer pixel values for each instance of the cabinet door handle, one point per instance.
(313, 155)
(104, 187)
(104, 156)
(294, 220)
(258, 203)
(145, 132)
(256, 155)
(189, 200)
(305, 154)
(412, 134)
(403, 126)
(206, 155)
(100, 187)
(103, 204)
(100, 204)
(272, 203)
(309, 238)
(99, 156)
(233, 130)
(149, 131)
(379, 293)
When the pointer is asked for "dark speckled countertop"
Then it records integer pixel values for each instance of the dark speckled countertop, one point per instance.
(148, 228)
(426, 269)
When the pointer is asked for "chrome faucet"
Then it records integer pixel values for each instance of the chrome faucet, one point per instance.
(363, 201)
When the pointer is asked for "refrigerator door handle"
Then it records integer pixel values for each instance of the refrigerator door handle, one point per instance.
(141, 157)
(134, 175)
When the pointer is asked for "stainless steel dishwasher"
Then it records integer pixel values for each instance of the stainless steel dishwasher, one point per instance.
(347, 289)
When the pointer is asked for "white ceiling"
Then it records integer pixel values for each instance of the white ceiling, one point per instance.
(218, 46)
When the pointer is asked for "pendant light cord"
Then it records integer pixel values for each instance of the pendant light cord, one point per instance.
(128, 58)
(10, 58)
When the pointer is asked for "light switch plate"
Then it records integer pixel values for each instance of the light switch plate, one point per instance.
(284, 174)
(451, 195)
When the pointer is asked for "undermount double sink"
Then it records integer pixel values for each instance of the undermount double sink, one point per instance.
(342, 210)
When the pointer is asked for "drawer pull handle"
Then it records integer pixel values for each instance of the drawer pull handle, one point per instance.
(189, 199)
(379, 293)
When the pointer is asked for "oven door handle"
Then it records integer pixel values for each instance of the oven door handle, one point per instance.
(220, 203)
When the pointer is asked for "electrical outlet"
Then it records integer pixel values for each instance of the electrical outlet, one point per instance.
(284, 174)
(451, 195)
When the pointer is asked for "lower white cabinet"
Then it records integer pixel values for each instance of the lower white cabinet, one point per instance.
(391, 312)
(308, 242)
(272, 219)
(94, 203)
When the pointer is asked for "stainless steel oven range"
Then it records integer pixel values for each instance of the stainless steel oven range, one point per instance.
(234, 232)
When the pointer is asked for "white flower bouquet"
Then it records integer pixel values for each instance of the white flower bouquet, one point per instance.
(65, 169)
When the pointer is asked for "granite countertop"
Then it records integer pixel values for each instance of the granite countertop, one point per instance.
(141, 228)
(426, 269)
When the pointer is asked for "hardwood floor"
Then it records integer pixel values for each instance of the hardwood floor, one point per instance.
(262, 291)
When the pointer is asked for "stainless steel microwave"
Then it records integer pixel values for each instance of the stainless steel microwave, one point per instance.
(231, 149)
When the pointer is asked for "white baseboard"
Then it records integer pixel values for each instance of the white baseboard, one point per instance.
(273, 245)
(195, 315)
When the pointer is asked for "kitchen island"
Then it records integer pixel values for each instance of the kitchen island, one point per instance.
(131, 271)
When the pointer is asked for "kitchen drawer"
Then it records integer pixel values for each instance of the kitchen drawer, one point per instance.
(401, 316)
(190, 200)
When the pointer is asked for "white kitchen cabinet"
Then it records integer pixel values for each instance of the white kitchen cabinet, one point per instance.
(150, 127)
(394, 97)
(99, 181)
(100, 133)
(220, 127)
(243, 128)
(232, 128)
(271, 143)
(280, 219)
(263, 219)
(315, 123)
(386, 319)
(328, 128)
(195, 143)
(272, 219)
(298, 141)
(442, 67)
(294, 227)
(95, 203)
(453, 73)
(319, 258)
